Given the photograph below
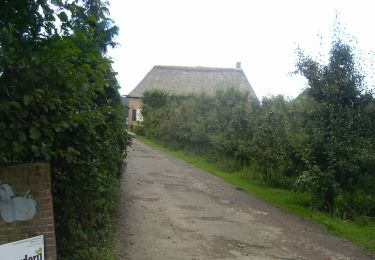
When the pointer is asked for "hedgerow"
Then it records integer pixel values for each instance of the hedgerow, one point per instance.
(59, 102)
(321, 143)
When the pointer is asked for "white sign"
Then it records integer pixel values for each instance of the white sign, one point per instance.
(139, 116)
(27, 249)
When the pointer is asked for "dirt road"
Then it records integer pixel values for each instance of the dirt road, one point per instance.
(172, 210)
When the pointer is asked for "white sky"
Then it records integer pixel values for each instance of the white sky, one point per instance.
(262, 35)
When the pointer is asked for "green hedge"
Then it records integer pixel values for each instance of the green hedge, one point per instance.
(59, 102)
(321, 143)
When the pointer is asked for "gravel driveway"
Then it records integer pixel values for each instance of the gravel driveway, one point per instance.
(172, 210)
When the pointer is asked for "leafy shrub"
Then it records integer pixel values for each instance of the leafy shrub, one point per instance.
(321, 143)
(335, 141)
(59, 102)
(138, 129)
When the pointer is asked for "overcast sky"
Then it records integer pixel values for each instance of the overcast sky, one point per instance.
(262, 35)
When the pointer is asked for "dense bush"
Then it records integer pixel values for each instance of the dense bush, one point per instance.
(138, 130)
(59, 102)
(321, 143)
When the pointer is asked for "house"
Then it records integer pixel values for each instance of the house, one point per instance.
(186, 80)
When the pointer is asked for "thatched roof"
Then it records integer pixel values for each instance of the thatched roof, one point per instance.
(187, 80)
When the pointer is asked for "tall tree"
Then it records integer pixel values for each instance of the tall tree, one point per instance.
(333, 124)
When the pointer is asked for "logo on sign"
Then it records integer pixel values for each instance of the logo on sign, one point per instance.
(38, 255)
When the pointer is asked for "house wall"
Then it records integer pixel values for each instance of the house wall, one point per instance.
(36, 178)
(134, 103)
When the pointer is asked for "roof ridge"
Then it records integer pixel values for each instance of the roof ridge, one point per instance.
(188, 79)
(196, 68)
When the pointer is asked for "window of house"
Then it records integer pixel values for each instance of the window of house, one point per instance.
(134, 114)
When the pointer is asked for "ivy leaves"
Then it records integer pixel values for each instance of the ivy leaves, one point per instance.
(34, 133)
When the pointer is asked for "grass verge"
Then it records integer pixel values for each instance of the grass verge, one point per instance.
(360, 231)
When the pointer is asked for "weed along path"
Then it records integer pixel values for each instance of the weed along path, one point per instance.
(172, 210)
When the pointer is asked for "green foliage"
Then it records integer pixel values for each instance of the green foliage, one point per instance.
(335, 141)
(361, 230)
(59, 102)
(138, 130)
(272, 152)
(321, 143)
